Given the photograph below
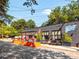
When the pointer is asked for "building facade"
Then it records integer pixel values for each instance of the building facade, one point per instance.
(56, 32)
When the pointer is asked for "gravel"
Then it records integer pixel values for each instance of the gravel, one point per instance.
(11, 51)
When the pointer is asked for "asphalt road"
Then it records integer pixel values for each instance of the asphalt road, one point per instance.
(11, 51)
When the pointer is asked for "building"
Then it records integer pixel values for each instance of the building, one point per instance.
(55, 32)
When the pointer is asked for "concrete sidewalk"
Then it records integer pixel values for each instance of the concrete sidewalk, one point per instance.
(70, 51)
(68, 48)
(6, 40)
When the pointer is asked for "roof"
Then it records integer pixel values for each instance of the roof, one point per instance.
(47, 28)
(51, 27)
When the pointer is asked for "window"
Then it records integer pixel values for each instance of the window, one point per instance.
(52, 33)
(70, 27)
(55, 32)
(53, 37)
(59, 36)
(59, 32)
(56, 37)
(47, 33)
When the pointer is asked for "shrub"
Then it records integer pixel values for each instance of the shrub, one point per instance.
(67, 38)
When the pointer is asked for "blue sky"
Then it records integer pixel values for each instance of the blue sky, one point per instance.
(17, 9)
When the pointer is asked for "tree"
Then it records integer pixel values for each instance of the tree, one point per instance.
(3, 7)
(9, 31)
(45, 24)
(9, 18)
(30, 3)
(4, 22)
(1, 22)
(39, 35)
(5, 18)
(68, 13)
(19, 24)
(73, 10)
(55, 15)
(31, 24)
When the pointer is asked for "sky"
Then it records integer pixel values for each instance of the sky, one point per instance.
(44, 8)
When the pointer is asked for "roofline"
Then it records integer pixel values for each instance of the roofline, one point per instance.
(30, 30)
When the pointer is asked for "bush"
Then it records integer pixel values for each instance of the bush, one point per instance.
(39, 36)
(67, 38)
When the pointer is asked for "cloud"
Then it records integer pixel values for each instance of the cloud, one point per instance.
(46, 11)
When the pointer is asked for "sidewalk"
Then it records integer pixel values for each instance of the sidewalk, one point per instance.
(74, 49)
(69, 51)
(6, 39)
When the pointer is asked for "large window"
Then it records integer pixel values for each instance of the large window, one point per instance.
(70, 27)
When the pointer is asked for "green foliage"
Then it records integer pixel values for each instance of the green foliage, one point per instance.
(67, 13)
(19, 24)
(30, 3)
(44, 24)
(9, 19)
(31, 23)
(3, 7)
(55, 15)
(67, 38)
(39, 36)
(8, 31)
(1, 22)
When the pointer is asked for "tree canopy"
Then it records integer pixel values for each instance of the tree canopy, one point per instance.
(31, 24)
(3, 7)
(67, 13)
(21, 24)
(30, 3)
(9, 31)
